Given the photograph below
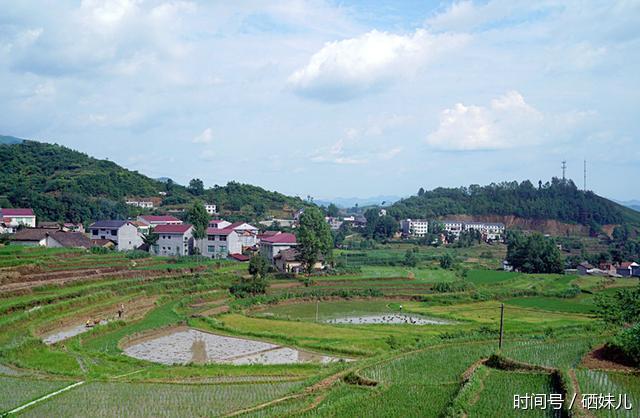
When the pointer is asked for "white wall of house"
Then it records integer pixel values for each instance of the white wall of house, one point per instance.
(29, 221)
(126, 237)
(174, 244)
(220, 245)
(269, 250)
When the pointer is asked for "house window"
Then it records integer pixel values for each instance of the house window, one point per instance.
(211, 237)
(223, 249)
(211, 248)
(94, 232)
(223, 237)
(114, 232)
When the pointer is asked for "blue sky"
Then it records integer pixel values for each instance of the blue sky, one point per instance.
(329, 98)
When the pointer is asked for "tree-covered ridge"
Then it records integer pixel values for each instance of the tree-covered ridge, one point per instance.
(558, 199)
(61, 184)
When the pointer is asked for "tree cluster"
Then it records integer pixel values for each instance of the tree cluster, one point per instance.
(533, 254)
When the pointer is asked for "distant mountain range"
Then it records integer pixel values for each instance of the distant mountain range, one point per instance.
(10, 140)
(349, 202)
(633, 204)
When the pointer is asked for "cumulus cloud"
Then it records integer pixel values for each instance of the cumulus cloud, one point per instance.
(508, 121)
(345, 69)
(205, 137)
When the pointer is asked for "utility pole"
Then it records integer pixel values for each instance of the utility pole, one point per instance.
(585, 175)
(317, 308)
(501, 325)
(564, 169)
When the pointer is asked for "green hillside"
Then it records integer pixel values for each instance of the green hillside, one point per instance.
(558, 200)
(9, 140)
(61, 184)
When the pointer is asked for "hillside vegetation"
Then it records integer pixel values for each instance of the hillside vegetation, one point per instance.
(61, 184)
(559, 200)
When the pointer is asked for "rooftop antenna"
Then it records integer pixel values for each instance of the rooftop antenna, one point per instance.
(564, 169)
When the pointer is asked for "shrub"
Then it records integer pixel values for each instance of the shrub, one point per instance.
(628, 340)
(137, 254)
(100, 250)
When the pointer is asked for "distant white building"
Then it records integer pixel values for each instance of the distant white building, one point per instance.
(453, 227)
(382, 212)
(211, 209)
(489, 231)
(334, 223)
(145, 204)
(414, 227)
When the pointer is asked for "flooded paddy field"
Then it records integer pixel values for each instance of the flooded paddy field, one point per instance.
(187, 345)
(390, 319)
(68, 332)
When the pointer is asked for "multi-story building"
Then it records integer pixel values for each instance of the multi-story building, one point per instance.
(173, 240)
(220, 242)
(414, 227)
(453, 227)
(144, 204)
(210, 208)
(123, 233)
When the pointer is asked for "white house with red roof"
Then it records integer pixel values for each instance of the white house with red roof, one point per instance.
(270, 246)
(247, 233)
(173, 240)
(14, 217)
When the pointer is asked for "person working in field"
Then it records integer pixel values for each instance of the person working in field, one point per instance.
(121, 311)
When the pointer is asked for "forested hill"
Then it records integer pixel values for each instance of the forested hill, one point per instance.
(558, 200)
(61, 184)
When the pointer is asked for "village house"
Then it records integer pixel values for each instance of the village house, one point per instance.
(334, 223)
(272, 245)
(286, 223)
(226, 239)
(15, 217)
(219, 223)
(155, 220)
(59, 239)
(488, 231)
(288, 261)
(220, 242)
(584, 268)
(31, 237)
(453, 227)
(628, 269)
(210, 208)
(123, 233)
(173, 240)
(414, 227)
(72, 227)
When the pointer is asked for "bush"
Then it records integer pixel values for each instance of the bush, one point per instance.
(100, 250)
(457, 286)
(628, 340)
(137, 254)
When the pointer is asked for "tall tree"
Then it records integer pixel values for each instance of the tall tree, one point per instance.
(196, 187)
(332, 210)
(258, 266)
(199, 218)
(314, 238)
(150, 238)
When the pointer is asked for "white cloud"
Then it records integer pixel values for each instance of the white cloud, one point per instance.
(345, 69)
(507, 122)
(205, 137)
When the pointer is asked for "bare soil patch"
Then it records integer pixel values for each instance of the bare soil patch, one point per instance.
(608, 358)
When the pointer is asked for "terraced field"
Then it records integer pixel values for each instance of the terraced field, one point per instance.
(389, 368)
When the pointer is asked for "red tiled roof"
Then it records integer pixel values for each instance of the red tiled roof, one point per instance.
(626, 264)
(239, 257)
(172, 229)
(219, 231)
(17, 212)
(160, 218)
(283, 238)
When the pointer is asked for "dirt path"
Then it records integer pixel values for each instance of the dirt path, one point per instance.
(577, 405)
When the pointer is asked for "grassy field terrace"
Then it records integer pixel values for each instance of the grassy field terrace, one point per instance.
(382, 339)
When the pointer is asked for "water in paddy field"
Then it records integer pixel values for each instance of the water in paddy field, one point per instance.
(392, 319)
(193, 346)
(67, 333)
